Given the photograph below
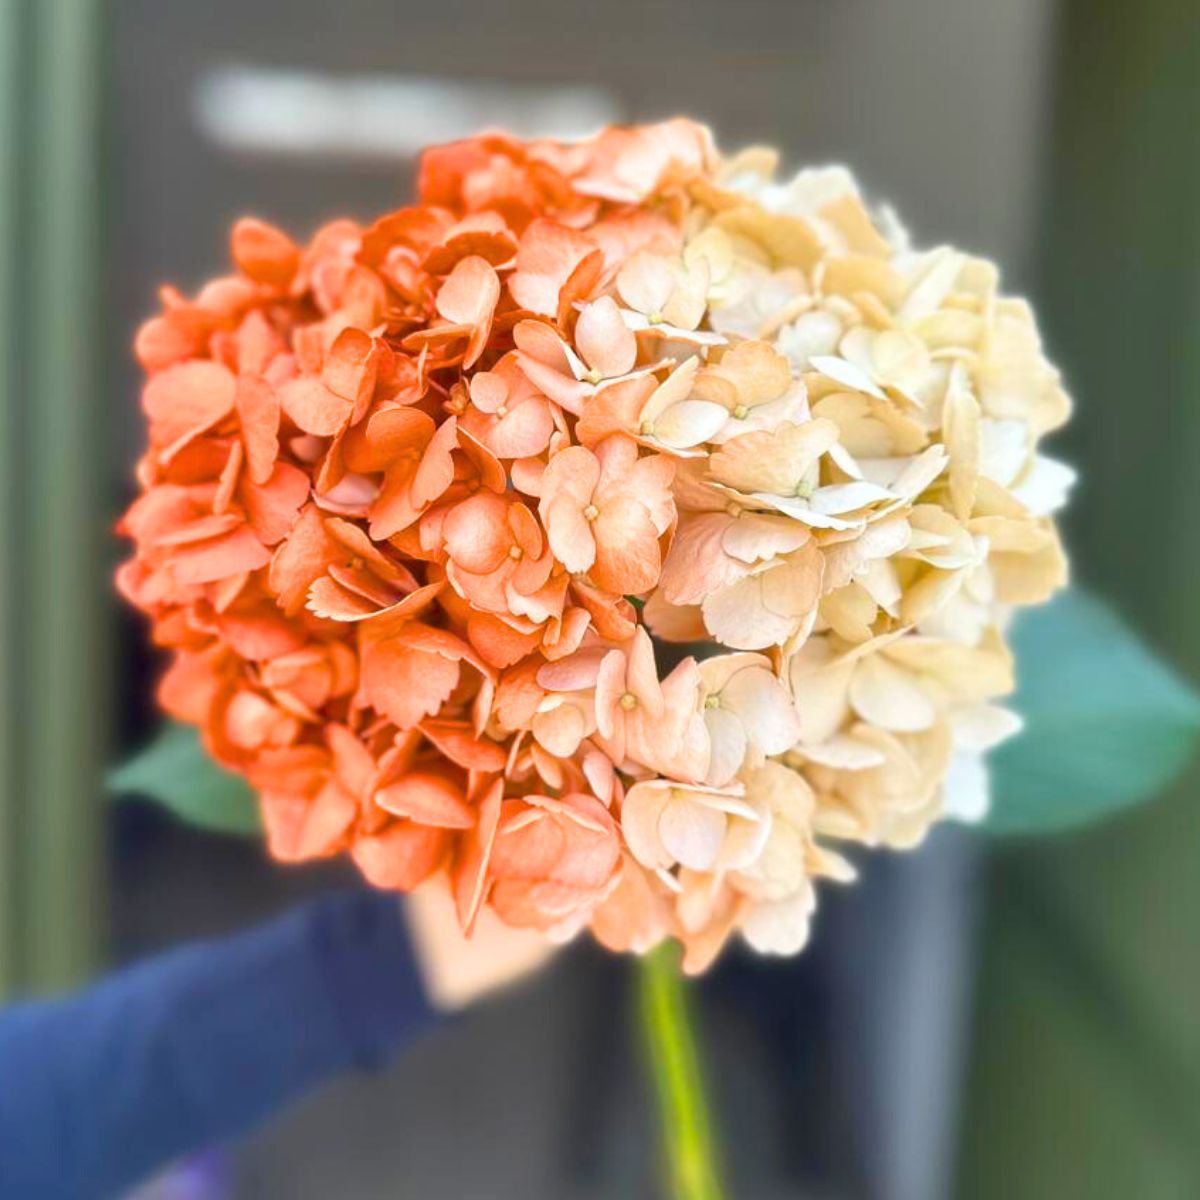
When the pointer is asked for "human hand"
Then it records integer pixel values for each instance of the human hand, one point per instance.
(457, 970)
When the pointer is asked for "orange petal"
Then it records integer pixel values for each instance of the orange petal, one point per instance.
(258, 411)
(389, 434)
(476, 533)
(468, 297)
(186, 399)
(427, 799)
(401, 856)
(300, 828)
(264, 253)
(302, 558)
(273, 508)
(351, 370)
(219, 558)
(471, 867)
(457, 741)
(405, 684)
(313, 407)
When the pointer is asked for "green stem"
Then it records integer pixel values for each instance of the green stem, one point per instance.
(666, 1012)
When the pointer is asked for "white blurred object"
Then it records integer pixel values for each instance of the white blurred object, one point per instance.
(457, 970)
(269, 110)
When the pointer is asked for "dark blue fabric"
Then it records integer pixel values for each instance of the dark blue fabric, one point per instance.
(100, 1088)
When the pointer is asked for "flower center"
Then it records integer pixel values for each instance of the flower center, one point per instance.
(515, 552)
(740, 412)
(712, 702)
(628, 701)
(655, 318)
(591, 513)
(502, 410)
(593, 377)
(804, 489)
(647, 428)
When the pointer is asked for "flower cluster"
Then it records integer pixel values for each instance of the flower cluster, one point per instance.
(417, 495)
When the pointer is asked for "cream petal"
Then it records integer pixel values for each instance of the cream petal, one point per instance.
(979, 727)
(763, 706)
(688, 423)
(737, 617)
(890, 697)
(727, 742)
(1003, 449)
(745, 841)
(847, 374)
(779, 926)
(844, 752)
(840, 498)
(640, 813)
(820, 692)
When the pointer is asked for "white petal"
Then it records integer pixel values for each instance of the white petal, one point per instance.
(1046, 486)
(966, 788)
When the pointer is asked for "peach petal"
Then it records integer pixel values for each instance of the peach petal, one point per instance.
(605, 342)
(548, 255)
(628, 559)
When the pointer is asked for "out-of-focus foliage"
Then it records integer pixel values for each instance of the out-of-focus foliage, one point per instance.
(175, 770)
(1107, 724)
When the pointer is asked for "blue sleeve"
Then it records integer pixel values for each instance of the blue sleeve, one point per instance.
(99, 1089)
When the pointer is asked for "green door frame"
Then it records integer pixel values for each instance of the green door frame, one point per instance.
(53, 591)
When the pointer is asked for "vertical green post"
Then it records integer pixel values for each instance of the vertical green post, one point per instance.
(53, 594)
(9, 175)
(63, 530)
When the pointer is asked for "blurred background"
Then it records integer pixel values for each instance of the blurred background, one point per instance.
(972, 1021)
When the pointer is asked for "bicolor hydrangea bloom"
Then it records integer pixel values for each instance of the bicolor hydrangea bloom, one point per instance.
(422, 497)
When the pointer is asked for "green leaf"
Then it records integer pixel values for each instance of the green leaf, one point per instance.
(1107, 723)
(177, 771)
